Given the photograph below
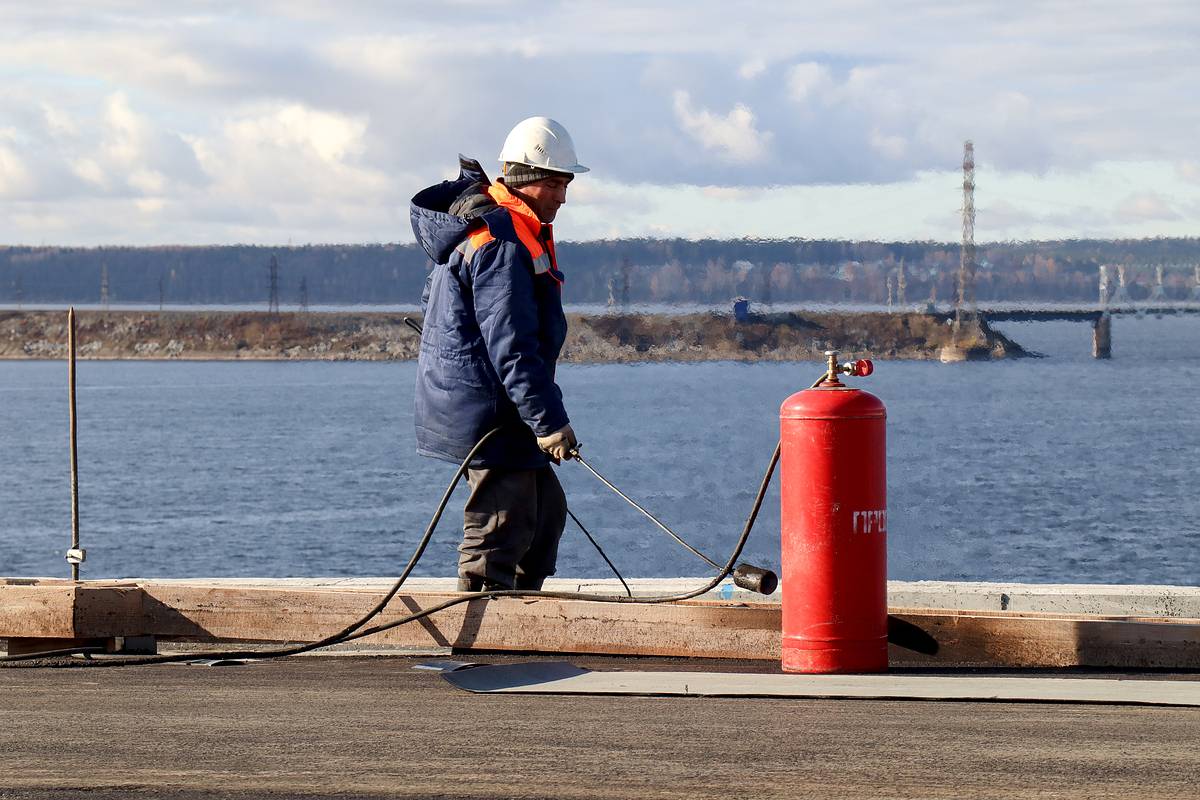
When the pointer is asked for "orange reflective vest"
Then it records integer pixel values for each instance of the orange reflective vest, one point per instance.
(536, 236)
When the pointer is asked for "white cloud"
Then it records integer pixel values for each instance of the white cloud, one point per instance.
(289, 154)
(148, 181)
(89, 170)
(14, 177)
(808, 81)
(331, 137)
(610, 205)
(411, 57)
(149, 205)
(751, 69)
(732, 137)
(121, 150)
(1008, 220)
(59, 123)
(118, 57)
(385, 58)
(1011, 106)
(1145, 207)
(279, 118)
(128, 132)
(893, 147)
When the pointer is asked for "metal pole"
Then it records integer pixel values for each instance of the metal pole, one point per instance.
(74, 555)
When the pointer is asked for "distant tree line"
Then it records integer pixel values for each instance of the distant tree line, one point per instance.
(628, 270)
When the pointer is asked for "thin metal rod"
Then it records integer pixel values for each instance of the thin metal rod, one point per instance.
(649, 516)
(74, 441)
(654, 519)
(600, 550)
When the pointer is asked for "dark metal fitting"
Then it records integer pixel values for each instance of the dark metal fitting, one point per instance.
(755, 579)
(859, 369)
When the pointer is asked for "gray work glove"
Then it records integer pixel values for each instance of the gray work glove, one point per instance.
(474, 202)
(559, 444)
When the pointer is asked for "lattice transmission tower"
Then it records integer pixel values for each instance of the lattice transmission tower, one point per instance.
(964, 305)
(104, 286)
(273, 301)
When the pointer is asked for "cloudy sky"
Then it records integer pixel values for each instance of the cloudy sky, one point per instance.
(297, 121)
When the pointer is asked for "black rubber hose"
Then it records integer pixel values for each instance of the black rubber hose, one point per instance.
(67, 651)
(328, 640)
(352, 632)
(601, 598)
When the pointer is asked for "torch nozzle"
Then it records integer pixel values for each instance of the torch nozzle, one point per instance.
(755, 579)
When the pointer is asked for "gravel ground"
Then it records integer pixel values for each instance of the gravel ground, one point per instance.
(375, 727)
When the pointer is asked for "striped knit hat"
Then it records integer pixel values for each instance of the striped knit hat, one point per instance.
(517, 175)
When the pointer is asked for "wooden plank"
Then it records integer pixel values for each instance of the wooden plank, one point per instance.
(64, 610)
(698, 628)
(37, 611)
(109, 611)
(703, 629)
(1045, 640)
(708, 629)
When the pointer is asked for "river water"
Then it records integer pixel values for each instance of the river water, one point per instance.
(1062, 469)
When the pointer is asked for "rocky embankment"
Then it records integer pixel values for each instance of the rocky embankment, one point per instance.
(608, 338)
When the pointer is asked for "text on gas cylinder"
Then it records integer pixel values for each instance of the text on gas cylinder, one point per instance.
(870, 521)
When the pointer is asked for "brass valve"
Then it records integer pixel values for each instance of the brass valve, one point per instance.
(859, 369)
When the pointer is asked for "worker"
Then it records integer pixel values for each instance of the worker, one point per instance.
(493, 330)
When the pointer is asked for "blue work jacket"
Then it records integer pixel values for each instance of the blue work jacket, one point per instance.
(493, 328)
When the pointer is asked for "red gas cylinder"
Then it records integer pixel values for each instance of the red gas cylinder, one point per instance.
(834, 534)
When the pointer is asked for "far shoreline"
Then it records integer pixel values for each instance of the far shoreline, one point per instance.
(609, 338)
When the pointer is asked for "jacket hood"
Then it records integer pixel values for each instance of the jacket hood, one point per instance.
(437, 230)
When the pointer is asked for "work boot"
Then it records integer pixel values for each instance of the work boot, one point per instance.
(474, 583)
(530, 582)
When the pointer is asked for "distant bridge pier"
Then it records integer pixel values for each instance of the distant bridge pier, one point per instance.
(1121, 296)
(1159, 293)
(1102, 336)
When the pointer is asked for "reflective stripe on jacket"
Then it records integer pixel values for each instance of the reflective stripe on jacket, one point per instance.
(493, 329)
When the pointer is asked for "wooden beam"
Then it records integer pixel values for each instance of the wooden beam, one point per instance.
(1052, 640)
(700, 629)
(42, 611)
(65, 610)
(697, 628)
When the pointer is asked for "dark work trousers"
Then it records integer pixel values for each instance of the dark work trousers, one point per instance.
(511, 526)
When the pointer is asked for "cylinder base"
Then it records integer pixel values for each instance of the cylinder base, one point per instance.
(831, 658)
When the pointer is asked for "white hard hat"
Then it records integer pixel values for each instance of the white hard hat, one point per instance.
(541, 142)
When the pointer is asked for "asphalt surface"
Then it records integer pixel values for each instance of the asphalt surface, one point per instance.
(374, 727)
